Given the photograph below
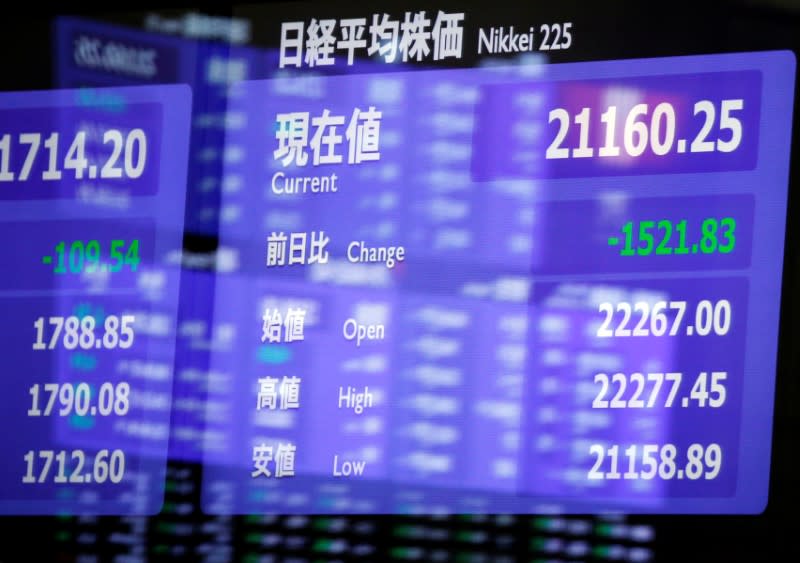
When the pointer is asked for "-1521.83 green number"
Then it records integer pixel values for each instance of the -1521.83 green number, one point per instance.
(665, 237)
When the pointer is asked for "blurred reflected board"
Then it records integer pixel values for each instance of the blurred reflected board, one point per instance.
(513, 289)
(89, 53)
(93, 192)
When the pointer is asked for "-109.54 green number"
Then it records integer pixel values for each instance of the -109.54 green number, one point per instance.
(79, 257)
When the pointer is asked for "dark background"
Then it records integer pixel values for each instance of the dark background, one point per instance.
(602, 30)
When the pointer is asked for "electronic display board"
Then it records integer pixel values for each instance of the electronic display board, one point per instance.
(93, 192)
(292, 281)
(504, 289)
